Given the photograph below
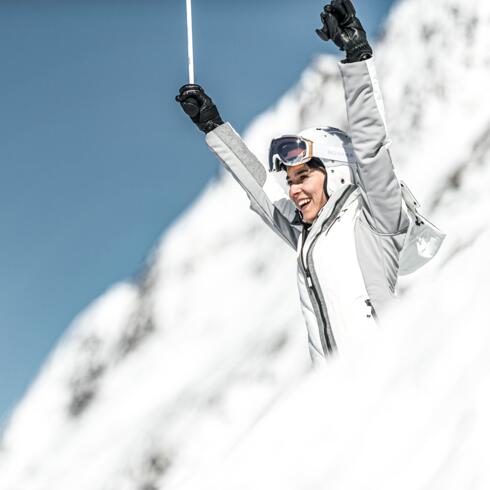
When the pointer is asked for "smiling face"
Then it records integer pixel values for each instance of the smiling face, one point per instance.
(306, 190)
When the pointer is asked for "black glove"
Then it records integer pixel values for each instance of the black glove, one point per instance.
(199, 107)
(342, 26)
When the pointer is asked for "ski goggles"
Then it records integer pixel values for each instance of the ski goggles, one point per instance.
(289, 151)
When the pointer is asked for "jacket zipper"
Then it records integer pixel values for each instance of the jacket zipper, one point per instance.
(323, 314)
(329, 340)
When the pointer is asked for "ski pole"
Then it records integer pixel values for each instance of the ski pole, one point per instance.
(192, 105)
(190, 44)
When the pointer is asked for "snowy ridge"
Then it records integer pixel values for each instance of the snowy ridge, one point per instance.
(158, 385)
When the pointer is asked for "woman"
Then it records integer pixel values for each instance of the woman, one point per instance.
(346, 214)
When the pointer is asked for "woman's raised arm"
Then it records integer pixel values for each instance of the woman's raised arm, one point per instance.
(365, 113)
(242, 164)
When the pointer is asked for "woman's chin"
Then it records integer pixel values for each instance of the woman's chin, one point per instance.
(309, 215)
(308, 218)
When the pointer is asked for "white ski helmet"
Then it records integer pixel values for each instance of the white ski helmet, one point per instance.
(332, 146)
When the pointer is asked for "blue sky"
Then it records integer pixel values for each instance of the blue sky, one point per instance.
(97, 159)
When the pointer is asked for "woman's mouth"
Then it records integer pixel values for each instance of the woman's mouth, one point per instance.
(303, 203)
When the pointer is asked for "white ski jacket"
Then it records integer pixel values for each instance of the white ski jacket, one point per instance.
(348, 260)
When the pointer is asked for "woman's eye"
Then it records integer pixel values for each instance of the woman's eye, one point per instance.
(301, 179)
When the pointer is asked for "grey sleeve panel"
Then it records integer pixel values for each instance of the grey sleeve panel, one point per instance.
(379, 185)
(225, 136)
(251, 175)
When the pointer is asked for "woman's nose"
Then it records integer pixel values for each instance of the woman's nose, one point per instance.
(294, 189)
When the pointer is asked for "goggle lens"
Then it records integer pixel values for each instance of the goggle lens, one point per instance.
(289, 151)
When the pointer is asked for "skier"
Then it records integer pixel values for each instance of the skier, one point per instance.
(351, 221)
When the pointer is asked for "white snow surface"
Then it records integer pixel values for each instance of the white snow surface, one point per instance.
(198, 375)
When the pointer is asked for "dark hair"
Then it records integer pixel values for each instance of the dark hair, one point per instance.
(315, 164)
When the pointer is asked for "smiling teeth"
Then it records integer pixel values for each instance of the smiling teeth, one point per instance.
(303, 202)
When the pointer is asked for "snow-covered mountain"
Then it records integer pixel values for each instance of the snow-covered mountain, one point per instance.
(198, 376)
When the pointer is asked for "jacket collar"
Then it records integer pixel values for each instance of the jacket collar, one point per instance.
(337, 201)
(324, 212)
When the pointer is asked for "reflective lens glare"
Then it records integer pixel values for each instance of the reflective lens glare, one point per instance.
(289, 151)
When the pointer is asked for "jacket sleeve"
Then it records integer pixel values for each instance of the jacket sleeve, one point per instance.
(377, 180)
(252, 176)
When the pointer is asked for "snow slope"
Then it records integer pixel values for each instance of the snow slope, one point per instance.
(409, 411)
(198, 376)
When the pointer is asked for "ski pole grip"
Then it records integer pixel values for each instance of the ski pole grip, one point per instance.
(191, 107)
